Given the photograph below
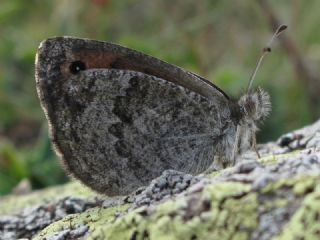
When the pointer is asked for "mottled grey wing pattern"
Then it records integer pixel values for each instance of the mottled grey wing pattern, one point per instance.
(117, 129)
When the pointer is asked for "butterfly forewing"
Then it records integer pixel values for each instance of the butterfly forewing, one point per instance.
(117, 129)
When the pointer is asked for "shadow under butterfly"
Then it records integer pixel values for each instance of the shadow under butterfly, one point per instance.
(118, 118)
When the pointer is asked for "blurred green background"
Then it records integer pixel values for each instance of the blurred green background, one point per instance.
(220, 40)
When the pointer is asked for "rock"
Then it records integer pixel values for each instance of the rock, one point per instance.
(275, 197)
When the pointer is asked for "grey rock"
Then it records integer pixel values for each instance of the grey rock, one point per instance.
(31, 220)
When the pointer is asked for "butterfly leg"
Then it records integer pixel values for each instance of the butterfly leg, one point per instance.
(235, 146)
(216, 165)
(254, 145)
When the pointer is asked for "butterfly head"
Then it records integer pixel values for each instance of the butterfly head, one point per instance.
(255, 106)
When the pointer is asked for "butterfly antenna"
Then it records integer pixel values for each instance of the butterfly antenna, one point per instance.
(265, 50)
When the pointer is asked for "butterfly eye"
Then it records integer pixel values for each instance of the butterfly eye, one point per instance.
(77, 66)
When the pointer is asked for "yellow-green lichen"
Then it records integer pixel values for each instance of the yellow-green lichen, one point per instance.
(232, 214)
(95, 218)
(11, 204)
(300, 183)
(222, 210)
(305, 183)
(305, 223)
(270, 159)
(230, 206)
(276, 203)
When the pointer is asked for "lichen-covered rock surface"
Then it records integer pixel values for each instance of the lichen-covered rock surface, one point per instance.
(276, 197)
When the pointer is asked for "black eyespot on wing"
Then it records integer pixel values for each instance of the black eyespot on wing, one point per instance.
(77, 66)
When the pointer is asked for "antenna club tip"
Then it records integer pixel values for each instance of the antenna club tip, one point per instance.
(282, 28)
(266, 49)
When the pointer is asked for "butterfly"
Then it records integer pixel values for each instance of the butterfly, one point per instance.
(118, 118)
